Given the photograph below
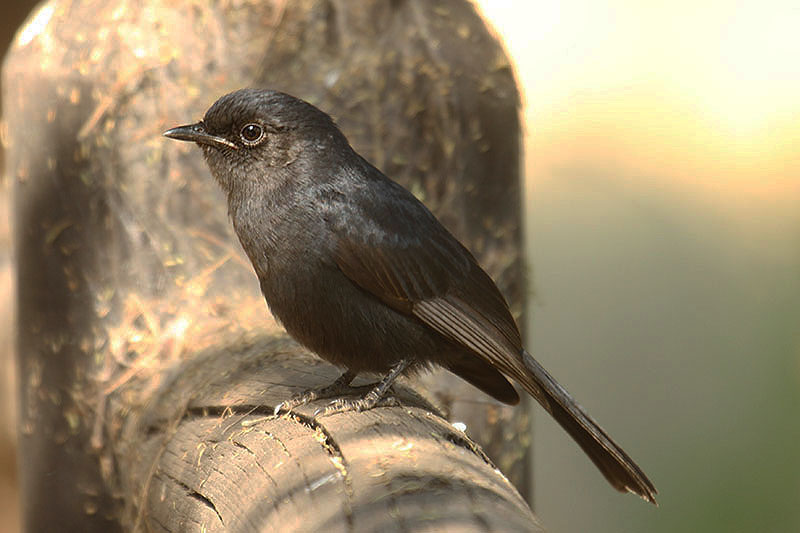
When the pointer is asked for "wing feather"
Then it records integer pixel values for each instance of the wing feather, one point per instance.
(409, 261)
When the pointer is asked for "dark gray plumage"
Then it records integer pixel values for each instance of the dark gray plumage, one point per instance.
(360, 272)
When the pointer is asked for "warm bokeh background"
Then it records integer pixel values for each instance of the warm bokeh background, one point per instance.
(663, 167)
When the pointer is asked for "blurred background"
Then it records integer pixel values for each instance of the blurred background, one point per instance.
(663, 183)
(663, 204)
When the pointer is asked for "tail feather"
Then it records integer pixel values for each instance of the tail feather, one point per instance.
(617, 467)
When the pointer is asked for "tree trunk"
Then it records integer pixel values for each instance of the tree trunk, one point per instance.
(128, 271)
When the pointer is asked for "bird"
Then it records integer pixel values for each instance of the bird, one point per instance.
(361, 273)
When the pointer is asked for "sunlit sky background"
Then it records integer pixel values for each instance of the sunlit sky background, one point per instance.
(705, 87)
(663, 204)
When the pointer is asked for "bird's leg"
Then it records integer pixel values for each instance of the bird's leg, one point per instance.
(337, 388)
(373, 398)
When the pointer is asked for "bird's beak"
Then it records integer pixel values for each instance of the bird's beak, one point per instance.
(197, 133)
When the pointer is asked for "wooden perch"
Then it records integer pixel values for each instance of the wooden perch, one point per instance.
(221, 461)
(141, 407)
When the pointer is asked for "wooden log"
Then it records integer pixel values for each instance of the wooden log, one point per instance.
(209, 455)
(127, 266)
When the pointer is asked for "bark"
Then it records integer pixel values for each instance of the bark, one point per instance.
(209, 455)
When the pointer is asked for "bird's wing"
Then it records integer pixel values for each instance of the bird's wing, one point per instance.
(409, 261)
(424, 278)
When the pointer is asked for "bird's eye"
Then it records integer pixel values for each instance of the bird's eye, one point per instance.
(252, 134)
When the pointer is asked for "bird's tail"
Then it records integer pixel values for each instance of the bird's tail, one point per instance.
(613, 462)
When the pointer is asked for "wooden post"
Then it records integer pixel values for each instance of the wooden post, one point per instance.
(129, 276)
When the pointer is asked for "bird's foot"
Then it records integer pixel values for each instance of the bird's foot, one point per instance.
(341, 390)
(368, 401)
(374, 398)
(340, 387)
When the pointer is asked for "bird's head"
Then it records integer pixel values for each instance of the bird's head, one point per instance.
(249, 133)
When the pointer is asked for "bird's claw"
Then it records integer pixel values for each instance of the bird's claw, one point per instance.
(297, 400)
(343, 405)
(374, 395)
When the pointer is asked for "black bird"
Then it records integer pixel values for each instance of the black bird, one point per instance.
(361, 273)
